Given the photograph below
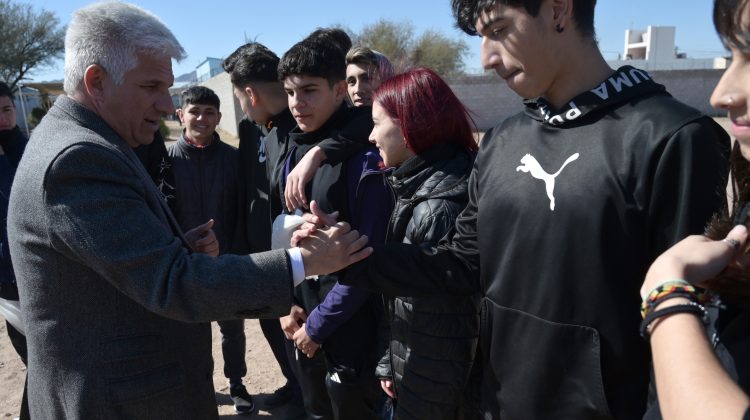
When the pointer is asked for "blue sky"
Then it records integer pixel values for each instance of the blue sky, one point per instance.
(216, 28)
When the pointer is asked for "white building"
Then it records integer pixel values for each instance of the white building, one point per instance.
(654, 49)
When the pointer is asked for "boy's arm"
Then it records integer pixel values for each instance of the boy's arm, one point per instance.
(371, 209)
(687, 183)
(342, 145)
(399, 269)
(339, 305)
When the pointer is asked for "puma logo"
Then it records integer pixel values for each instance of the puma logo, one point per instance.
(530, 165)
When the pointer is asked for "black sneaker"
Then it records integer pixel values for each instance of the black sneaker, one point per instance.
(243, 402)
(279, 397)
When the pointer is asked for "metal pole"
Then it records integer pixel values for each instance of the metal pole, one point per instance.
(23, 110)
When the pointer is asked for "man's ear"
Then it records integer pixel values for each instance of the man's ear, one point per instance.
(562, 13)
(181, 115)
(252, 94)
(218, 118)
(93, 82)
(340, 90)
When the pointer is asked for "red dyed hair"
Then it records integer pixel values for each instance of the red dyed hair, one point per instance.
(427, 110)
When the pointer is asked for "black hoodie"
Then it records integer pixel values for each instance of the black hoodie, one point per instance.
(567, 209)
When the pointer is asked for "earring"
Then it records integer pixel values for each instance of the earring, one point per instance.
(559, 28)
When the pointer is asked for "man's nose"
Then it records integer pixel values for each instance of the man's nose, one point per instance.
(488, 54)
(164, 104)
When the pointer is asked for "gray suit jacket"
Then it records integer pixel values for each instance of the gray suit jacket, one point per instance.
(117, 309)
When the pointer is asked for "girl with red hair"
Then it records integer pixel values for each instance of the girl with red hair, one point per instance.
(424, 135)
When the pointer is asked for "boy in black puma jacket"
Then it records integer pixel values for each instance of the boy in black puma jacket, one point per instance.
(569, 202)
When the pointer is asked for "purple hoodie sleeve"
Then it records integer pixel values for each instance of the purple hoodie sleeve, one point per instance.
(371, 207)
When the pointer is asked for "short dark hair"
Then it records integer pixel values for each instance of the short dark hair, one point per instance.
(252, 62)
(314, 56)
(200, 95)
(336, 35)
(466, 12)
(5, 90)
(728, 20)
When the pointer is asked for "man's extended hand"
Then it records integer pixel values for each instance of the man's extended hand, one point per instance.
(203, 239)
(303, 172)
(331, 249)
(315, 220)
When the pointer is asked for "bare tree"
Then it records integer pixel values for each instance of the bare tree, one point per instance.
(30, 40)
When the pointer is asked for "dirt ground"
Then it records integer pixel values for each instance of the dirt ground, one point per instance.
(262, 379)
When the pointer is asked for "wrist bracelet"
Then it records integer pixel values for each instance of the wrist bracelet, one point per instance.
(690, 307)
(675, 286)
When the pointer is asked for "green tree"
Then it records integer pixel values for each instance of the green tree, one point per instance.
(30, 40)
(390, 38)
(440, 53)
(431, 49)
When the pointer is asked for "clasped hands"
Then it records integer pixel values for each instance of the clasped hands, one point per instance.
(294, 329)
(326, 245)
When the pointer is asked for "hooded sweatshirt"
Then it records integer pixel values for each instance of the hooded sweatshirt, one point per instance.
(567, 209)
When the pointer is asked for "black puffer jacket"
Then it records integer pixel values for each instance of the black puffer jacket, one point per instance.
(433, 340)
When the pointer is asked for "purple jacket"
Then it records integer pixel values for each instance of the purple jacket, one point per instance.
(370, 205)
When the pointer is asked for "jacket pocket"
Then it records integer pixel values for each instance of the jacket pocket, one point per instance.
(541, 369)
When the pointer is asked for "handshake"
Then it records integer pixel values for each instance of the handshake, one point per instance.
(326, 245)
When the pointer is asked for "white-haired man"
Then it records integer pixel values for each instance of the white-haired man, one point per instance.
(115, 303)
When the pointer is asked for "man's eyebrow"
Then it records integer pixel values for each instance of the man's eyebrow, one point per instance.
(489, 19)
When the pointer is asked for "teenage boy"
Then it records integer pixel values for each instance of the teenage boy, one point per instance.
(570, 201)
(337, 379)
(252, 71)
(205, 172)
(12, 144)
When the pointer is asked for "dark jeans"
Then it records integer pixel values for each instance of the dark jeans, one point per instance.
(339, 381)
(18, 341)
(233, 350)
(276, 340)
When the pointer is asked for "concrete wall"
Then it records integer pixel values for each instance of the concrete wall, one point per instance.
(693, 87)
(490, 100)
(231, 112)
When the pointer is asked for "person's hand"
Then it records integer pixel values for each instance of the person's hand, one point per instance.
(202, 239)
(303, 172)
(317, 219)
(305, 343)
(387, 385)
(330, 249)
(291, 323)
(696, 259)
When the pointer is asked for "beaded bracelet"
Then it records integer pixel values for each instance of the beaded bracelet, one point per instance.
(674, 286)
(689, 307)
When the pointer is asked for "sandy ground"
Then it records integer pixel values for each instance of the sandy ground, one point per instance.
(263, 374)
